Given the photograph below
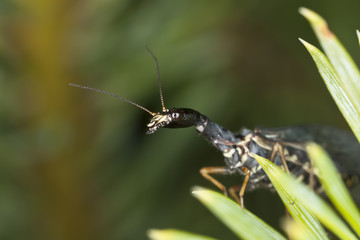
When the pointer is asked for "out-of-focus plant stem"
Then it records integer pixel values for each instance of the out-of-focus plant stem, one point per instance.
(40, 39)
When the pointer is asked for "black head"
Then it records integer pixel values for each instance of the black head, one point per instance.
(174, 118)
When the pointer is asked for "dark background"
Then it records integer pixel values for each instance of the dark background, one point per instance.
(78, 165)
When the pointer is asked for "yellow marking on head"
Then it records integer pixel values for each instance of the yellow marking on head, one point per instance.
(158, 121)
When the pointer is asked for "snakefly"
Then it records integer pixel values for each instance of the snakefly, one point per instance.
(283, 146)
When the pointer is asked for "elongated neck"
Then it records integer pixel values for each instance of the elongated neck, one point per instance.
(213, 132)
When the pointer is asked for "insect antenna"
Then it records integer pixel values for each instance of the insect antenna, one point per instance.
(164, 109)
(113, 95)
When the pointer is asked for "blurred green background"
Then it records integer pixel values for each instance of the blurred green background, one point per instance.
(78, 165)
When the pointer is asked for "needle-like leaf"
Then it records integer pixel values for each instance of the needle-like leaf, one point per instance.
(173, 234)
(334, 186)
(242, 222)
(342, 76)
(335, 87)
(303, 196)
(300, 214)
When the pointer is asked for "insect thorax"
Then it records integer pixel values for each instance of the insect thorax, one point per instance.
(238, 155)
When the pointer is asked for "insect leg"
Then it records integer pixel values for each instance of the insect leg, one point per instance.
(206, 171)
(243, 186)
(238, 192)
(311, 176)
(277, 148)
(234, 190)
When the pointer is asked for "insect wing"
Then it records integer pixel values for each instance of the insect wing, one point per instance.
(342, 146)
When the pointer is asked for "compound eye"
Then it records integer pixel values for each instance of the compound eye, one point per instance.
(175, 115)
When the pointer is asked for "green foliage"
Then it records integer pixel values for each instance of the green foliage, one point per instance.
(300, 214)
(170, 234)
(308, 199)
(334, 186)
(242, 222)
(341, 76)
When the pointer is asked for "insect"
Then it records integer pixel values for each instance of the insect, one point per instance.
(283, 146)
